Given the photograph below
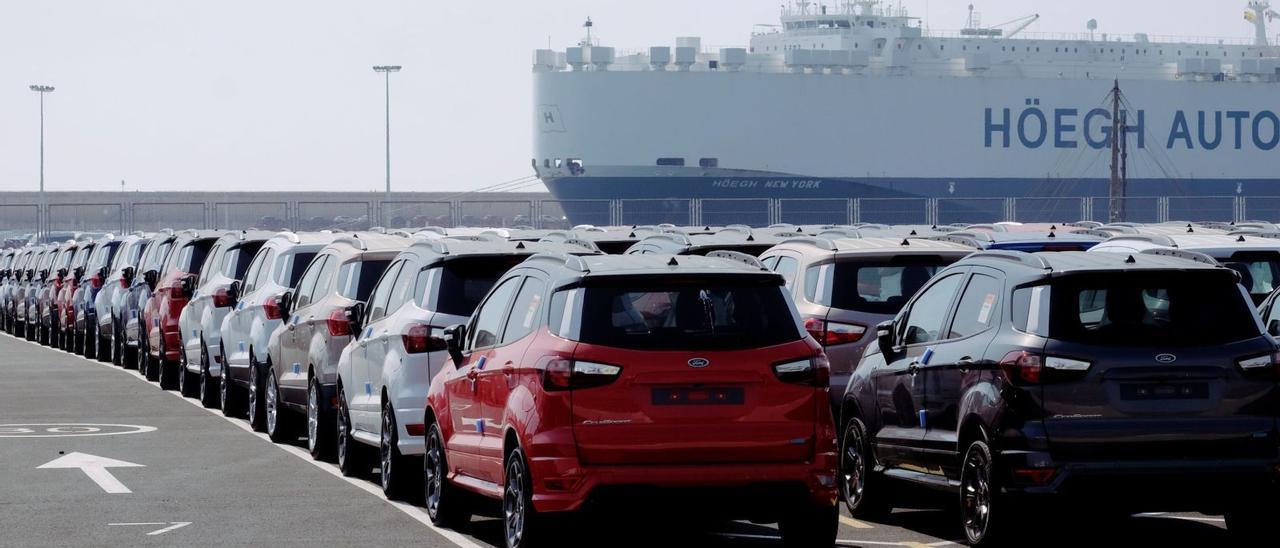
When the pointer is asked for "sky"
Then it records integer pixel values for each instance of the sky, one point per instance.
(240, 95)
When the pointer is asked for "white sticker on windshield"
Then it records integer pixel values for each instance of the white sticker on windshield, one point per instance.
(987, 304)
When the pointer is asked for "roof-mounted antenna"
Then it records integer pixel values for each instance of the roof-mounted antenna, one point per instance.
(913, 233)
(1053, 235)
(1130, 260)
(906, 241)
(673, 262)
(1240, 239)
(519, 245)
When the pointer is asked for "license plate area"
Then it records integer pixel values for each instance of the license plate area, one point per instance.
(698, 395)
(1164, 391)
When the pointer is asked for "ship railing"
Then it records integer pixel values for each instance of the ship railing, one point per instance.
(1104, 38)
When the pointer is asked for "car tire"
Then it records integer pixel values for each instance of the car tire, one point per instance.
(396, 483)
(151, 367)
(447, 506)
(169, 370)
(861, 487)
(809, 526)
(210, 394)
(1253, 525)
(276, 419)
(257, 406)
(186, 384)
(984, 517)
(90, 343)
(319, 428)
(522, 525)
(351, 454)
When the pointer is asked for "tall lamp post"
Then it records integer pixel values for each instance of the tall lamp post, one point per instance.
(41, 212)
(386, 71)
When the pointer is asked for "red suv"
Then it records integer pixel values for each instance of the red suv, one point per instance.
(174, 287)
(612, 379)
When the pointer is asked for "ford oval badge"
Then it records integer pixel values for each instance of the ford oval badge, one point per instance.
(1166, 358)
(699, 363)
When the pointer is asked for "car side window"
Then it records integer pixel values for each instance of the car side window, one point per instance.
(324, 280)
(924, 321)
(251, 277)
(308, 282)
(214, 264)
(525, 312)
(787, 267)
(421, 284)
(769, 262)
(378, 300)
(403, 291)
(267, 261)
(1272, 315)
(486, 329)
(979, 307)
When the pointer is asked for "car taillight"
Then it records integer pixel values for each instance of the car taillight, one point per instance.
(419, 339)
(1024, 367)
(124, 283)
(566, 374)
(338, 324)
(1267, 365)
(222, 298)
(833, 333)
(271, 308)
(815, 371)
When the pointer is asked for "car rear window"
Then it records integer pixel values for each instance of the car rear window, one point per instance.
(465, 282)
(356, 279)
(688, 314)
(1259, 272)
(876, 287)
(1139, 309)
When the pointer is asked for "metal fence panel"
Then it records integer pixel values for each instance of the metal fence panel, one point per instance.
(1262, 208)
(568, 213)
(19, 217)
(970, 210)
(1202, 208)
(151, 217)
(652, 212)
(340, 216)
(742, 211)
(814, 212)
(503, 214)
(1142, 209)
(417, 214)
(87, 218)
(241, 215)
(893, 210)
(1048, 210)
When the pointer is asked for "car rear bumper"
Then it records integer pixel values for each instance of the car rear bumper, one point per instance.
(1166, 485)
(561, 485)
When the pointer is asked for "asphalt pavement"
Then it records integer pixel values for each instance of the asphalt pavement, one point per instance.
(93, 455)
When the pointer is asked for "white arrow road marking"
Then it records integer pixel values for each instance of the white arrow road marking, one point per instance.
(172, 525)
(96, 468)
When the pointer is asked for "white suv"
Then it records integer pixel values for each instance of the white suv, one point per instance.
(385, 372)
(246, 329)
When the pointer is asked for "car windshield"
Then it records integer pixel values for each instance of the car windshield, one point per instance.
(1259, 272)
(465, 282)
(688, 314)
(1141, 309)
(881, 288)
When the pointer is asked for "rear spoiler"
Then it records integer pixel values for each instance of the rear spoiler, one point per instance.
(738, 257)
(1183, 254)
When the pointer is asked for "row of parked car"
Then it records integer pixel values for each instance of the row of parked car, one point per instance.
(762, 374)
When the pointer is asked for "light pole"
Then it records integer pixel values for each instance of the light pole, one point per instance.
(386, 71)
(41, 213)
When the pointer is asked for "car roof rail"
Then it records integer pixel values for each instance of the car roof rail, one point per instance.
(1028, 259)
(1083, 224)
(591, 246)
(1274, 235)
(677, 237)
(738, 257)
(1093, 232)
(970, 239)
(1183, 254)
(569, 261)
(289, 235)
(819, 242)
(353, 241)
(1156, 239)
(837, 233)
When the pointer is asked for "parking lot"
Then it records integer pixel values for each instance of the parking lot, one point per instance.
(91, 454)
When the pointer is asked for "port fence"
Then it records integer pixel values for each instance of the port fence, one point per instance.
(62, 218)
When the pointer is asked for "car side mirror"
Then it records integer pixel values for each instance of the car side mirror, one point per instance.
(355, 317)
(1273, 328)
(453, 337)
(286, 303)
(233, 292)
(79, 273)
(127, 274)
(62, 272)
(188, 287)
(151, 277)
(884, 336)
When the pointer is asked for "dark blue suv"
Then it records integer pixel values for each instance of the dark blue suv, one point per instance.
(1115, 382)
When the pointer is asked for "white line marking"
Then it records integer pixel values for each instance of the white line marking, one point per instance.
(96, 468)
(141, 523)
(418, 514)
(854, 523)
(1187, 518)
(176, 525)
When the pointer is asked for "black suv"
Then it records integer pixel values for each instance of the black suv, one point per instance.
(1117, 382)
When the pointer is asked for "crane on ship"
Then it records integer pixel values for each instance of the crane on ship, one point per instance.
(973, 27)
(1260, 13)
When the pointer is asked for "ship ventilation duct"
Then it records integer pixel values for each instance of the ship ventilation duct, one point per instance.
(602, 58)
(685, 58)
(576, 58)
(659, 57)
(547, 60)
(732, 59)
(689, 42)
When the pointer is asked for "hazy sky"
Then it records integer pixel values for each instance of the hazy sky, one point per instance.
(279, 94)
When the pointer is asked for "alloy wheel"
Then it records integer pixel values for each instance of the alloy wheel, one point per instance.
(388, 443)
(975, 494)
(344, 430)
(272, 412)
(513, 507)
(433, 471)
(313, 417)
(853, 467)
(253, 394)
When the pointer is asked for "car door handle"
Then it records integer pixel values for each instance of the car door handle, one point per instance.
(509, 369)
(914, 368)
(965, 364)
(472, 374)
